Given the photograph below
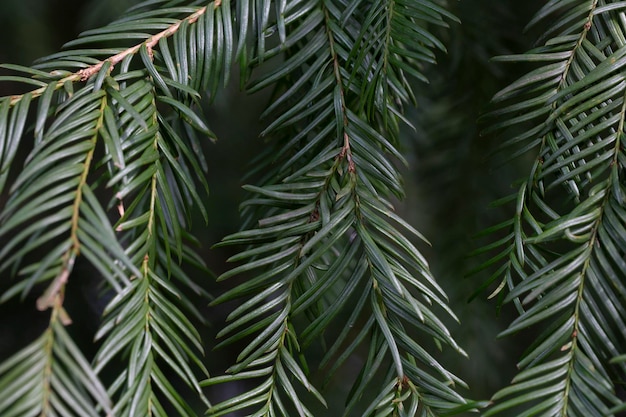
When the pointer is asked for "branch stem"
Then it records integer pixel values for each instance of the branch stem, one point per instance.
(86, 73)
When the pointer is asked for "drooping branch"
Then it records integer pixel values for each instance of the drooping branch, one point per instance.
(86, 73)
(89, 72)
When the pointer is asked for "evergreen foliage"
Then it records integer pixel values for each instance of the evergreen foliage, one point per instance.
(560, 257)
(102, 161)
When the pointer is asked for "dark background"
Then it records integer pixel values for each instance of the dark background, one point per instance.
(450, 182)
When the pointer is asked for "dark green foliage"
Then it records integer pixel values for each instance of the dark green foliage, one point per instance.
(102, 162)
(562, 253)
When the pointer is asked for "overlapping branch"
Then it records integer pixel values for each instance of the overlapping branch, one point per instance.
(565, 239)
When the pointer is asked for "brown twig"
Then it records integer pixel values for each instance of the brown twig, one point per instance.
(89, 72)
(86, 73)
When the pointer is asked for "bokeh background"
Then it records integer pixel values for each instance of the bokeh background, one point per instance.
(450, 183)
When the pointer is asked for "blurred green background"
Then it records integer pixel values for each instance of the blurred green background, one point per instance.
(450, 182)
